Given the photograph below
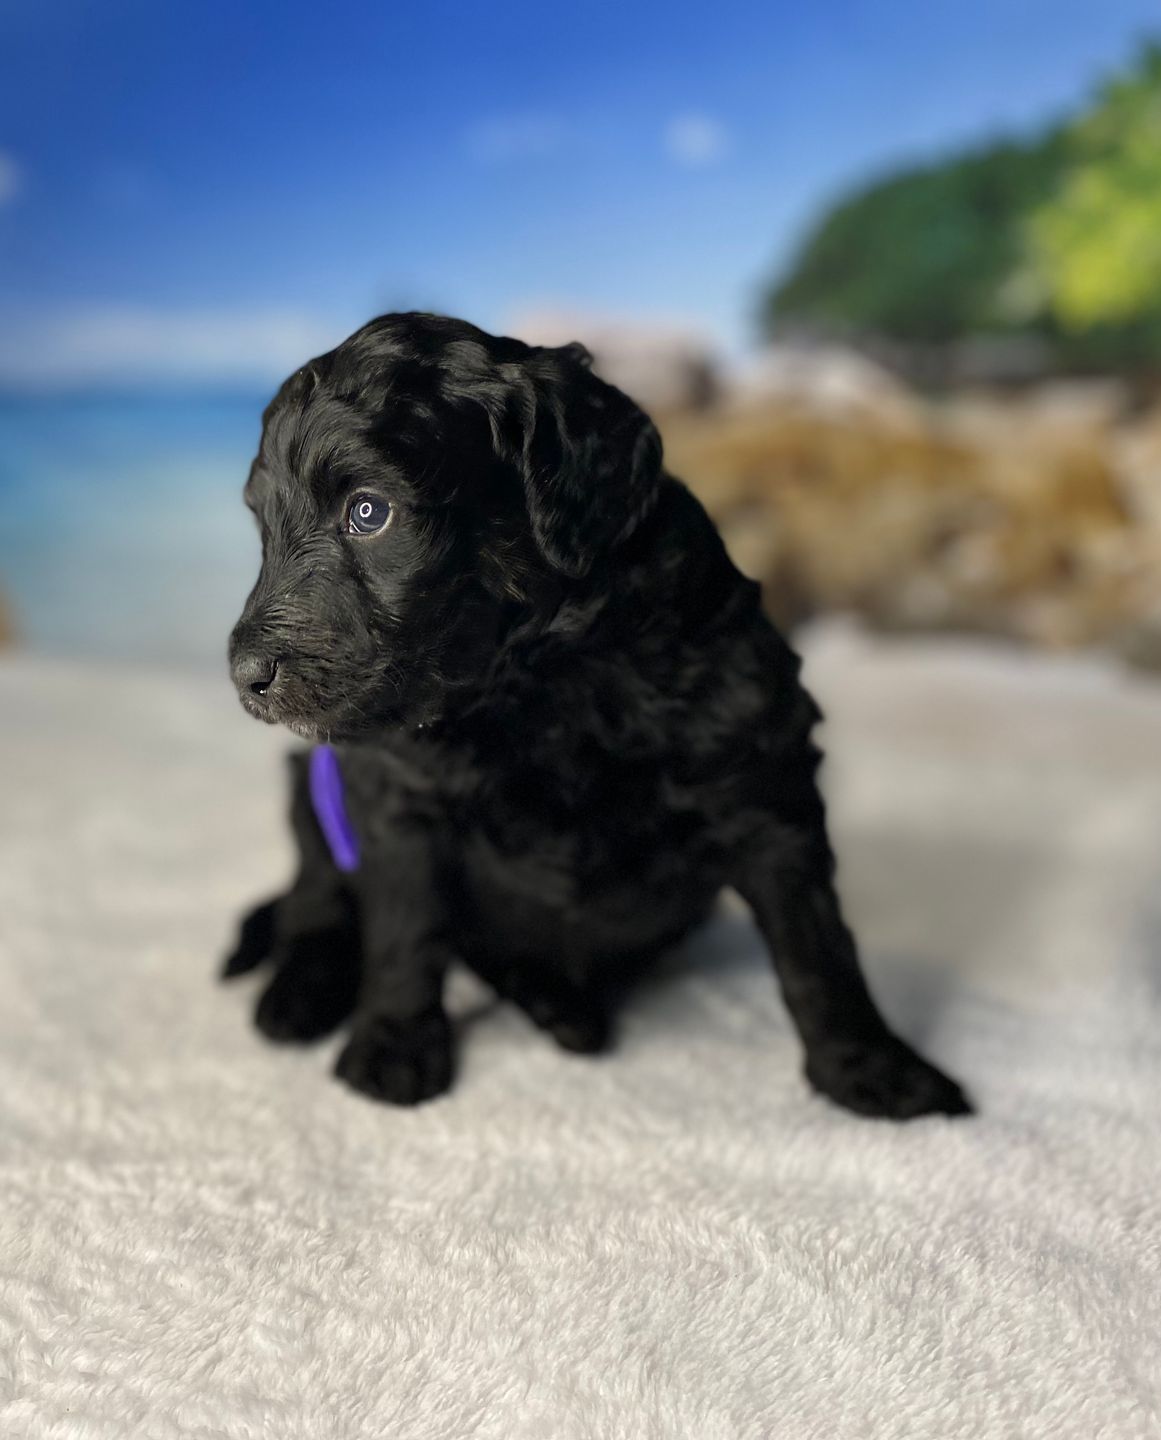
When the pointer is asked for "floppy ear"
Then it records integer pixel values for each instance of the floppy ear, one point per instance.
(591, 460)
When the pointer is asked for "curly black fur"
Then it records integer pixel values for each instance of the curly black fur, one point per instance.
(564, 723)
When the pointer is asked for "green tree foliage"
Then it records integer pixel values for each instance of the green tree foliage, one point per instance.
(1097, 240)
(924, 255)
(1058, 237)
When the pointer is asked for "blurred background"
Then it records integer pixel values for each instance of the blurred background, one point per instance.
(888, 275)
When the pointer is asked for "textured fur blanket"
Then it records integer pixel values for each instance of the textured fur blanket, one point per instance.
(204, 1236)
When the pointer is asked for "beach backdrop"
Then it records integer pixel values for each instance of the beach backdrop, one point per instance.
(888, 277)
(121, 528)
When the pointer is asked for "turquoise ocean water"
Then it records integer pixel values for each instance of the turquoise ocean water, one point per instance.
(122, 530)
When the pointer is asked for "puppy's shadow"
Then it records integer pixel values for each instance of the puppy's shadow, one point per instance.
(913, 994)
(714, 972)
(939, 916)
(930, 911)
(726, 964)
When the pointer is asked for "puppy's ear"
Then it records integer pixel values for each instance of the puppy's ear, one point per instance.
(591, 460)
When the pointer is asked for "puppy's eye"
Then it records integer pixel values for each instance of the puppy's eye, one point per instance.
(367, 515)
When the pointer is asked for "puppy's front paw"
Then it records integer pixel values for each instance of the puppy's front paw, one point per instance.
(883, 1078)
(400, 1061)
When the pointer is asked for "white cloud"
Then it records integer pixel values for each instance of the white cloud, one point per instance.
(135, 345)
(506, 138)
(10, 178)
(697, 140)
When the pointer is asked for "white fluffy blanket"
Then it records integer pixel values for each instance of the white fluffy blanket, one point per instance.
(202, 1236)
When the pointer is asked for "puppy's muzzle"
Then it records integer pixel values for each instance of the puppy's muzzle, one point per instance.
(259, 678)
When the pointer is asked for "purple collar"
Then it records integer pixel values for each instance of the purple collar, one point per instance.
(330, 808)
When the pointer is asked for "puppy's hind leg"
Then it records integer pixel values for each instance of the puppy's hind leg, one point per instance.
(852, 1056)
(255, 941)
(576, 1015)
(315, 985)
(315, 951)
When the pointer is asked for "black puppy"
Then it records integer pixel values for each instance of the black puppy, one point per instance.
(564, 723)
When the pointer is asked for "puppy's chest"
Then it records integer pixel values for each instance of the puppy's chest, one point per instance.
(567, 789)
(570, 816)
(554, 804)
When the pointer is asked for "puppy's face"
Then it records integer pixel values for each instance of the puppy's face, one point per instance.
(415, 490)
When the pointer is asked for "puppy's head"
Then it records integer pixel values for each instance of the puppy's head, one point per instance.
(416, 489)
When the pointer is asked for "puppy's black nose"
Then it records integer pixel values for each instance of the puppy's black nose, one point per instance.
(255, 673)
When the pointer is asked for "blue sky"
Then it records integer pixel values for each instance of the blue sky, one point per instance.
(209, 190)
